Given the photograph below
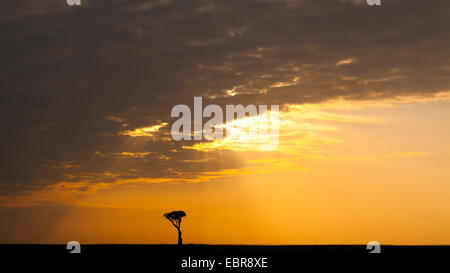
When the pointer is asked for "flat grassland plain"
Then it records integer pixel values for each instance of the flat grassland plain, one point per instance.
(227, 258)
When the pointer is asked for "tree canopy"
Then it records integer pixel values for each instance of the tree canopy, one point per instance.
(175, 217)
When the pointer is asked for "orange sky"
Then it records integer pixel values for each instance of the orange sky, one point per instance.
(344, 172)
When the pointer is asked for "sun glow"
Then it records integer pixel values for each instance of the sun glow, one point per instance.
(252, 133)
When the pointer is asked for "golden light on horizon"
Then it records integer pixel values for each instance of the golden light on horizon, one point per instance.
(333, 162)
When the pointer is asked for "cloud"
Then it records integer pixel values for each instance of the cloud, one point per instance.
(64, 70)
(345, 61)
(145, 131)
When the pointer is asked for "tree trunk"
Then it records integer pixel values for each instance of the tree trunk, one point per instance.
(180, 241)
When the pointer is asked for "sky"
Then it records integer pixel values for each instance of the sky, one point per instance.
(86, 99)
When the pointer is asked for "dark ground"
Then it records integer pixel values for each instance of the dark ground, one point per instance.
(169, 258)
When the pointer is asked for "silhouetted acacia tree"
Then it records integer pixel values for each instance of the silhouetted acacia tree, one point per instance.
(175, 218)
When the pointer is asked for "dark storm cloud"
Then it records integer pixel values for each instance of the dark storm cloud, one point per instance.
(65, 71)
